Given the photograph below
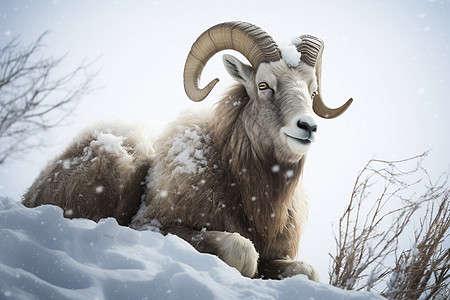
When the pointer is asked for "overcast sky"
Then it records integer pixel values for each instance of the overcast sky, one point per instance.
(392, 57)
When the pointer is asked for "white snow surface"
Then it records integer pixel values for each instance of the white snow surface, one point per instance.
(45, 256)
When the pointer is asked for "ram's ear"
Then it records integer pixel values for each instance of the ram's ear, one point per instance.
(241, 72)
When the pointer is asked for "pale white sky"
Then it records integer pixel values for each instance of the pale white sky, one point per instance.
(392, 57)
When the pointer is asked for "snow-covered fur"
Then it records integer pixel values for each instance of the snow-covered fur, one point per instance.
(227, 182)
(100, 174)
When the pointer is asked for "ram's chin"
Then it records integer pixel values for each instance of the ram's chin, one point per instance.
(298, 146)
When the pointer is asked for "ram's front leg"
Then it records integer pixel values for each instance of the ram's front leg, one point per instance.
(232, 248)
(282, 268)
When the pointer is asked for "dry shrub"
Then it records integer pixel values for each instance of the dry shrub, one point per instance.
(394, 203)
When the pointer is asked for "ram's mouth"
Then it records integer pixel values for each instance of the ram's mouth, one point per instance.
(302, 141)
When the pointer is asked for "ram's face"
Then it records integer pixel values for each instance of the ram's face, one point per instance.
(287, 93)
(279, 115)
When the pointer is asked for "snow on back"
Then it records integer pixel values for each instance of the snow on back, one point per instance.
(188, 150)
(109, 143)
(45, 256)
(289, 52)
(113, 135)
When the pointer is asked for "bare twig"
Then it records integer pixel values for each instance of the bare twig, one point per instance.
(33, 98)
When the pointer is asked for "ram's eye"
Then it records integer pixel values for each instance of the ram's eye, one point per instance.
(314, 94)
(263, 86)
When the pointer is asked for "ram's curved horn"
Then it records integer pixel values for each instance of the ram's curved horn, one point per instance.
(250, 40)
(311, 49)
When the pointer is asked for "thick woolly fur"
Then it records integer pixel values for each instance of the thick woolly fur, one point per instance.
(227, 182)
(99, 175)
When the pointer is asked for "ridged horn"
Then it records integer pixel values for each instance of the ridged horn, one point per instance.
(311, 49)
(250, 40)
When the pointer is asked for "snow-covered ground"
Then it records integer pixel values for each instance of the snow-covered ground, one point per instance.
(45, 256)
(389, 56)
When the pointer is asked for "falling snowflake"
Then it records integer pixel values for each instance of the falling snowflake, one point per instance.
(290, 173)
(275, 168)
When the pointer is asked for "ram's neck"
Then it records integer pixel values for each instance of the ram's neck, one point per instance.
(266, 185)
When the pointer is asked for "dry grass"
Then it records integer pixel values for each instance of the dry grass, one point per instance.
(386, 210)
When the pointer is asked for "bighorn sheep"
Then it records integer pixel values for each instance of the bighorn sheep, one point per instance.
(227, 182)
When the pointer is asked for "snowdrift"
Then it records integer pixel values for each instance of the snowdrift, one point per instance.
(45, 256)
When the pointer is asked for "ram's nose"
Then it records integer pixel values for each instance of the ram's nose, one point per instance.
(307, 126)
